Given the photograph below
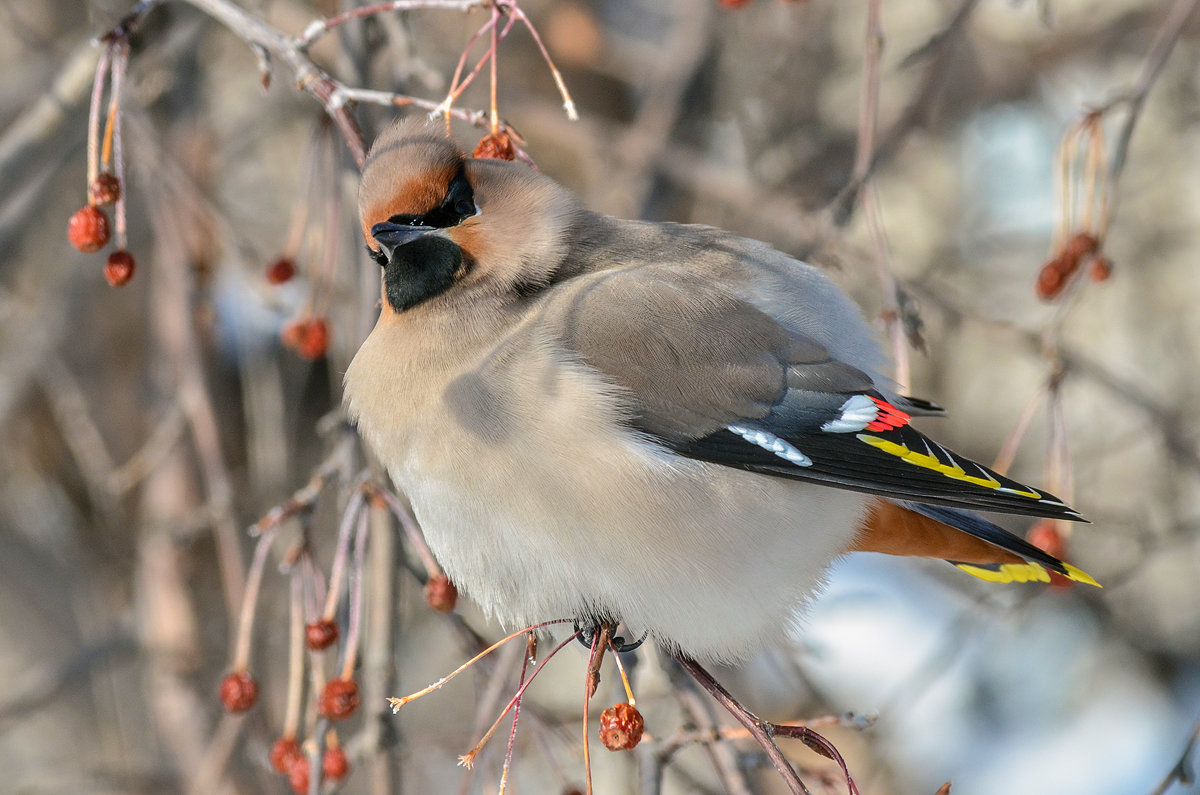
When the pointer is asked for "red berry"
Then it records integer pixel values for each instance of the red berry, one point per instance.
(239, 691)
(316, 339)
(734, 3)
(441, 594)
(1100, 269)
(320, 634)
(339, 699)
(621, 727)
(105, 189)
(1077, 246)
(334, 764)
(88, 229)
(1045, 536)
(298, 775)
(1051, 279)
(281, 270)
(1058, 581)
(495, 146)
(284, 754)
(309, 338)
(119, 268)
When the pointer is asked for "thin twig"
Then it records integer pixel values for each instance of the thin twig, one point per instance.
(468, 759)
(841, 208)
(759, 729)
(319, 27)
(512, 735)
(397, 703)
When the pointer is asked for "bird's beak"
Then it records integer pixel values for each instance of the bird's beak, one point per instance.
(392, 236)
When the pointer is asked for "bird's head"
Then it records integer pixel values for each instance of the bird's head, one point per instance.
(436, 220)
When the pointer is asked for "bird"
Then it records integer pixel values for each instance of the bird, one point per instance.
(664, 425)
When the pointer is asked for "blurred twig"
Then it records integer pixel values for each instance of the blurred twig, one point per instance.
(1182, 771)
(1164, 42)
(47, 681)
(937, 49)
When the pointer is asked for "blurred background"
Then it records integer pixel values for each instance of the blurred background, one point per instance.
(143, 429)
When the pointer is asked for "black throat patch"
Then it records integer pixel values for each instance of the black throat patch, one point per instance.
(421, 270)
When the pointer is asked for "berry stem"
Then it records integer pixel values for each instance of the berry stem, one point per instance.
(114, 125)
(468, 759)
(93, 148)
(457, 88)
(397, 703)
(241, 655)
(512, 735)
(356, 589)
(415, 537)
(295, 687)
(338, 570)
(590, 680)
(568, 103)
(624, 676)
(454, 91)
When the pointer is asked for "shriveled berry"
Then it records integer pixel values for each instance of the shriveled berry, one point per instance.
(284, 754)
(281, 270)
(621, 727)
(441, 594)
(298, 775)
(88, 229)
(239, 691)
(105, 189)
(495, 146)
(339, 699)
(320, 634)
(334, 764)
(120, 267)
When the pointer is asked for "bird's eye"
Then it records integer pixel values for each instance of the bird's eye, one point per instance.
(379, 256)
(465, 207)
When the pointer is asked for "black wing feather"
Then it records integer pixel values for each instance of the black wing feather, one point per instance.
(843, 461)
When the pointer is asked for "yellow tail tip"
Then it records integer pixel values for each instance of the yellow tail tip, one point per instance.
(1023, 572)
(1079, 575)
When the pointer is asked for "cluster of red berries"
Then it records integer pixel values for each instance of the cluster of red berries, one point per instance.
(288, 759)
(89, 229)
(1080, 248)
(339, 700)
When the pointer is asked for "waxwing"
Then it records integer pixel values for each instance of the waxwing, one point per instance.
(660, 424)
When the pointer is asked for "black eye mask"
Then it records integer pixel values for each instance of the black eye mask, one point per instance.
(403, 228)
